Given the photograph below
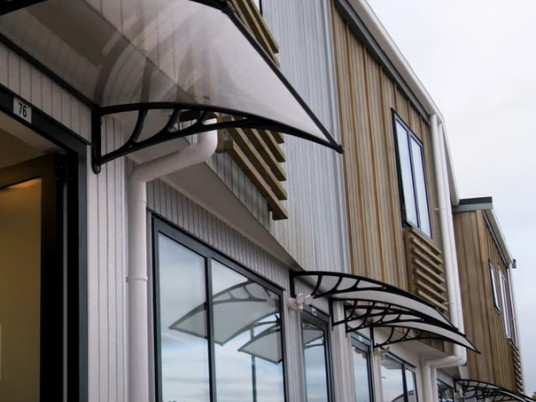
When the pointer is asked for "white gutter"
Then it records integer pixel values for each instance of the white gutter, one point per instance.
(138, 313)
(459, 356)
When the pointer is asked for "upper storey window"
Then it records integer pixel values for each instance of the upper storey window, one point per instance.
(412, 178)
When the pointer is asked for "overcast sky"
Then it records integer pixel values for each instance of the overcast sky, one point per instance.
(477, 59)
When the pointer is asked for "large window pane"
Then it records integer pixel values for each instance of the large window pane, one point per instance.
(392, 380)
(218, 329)
(247, 339)
(420, 187)
(412, 178)
(316, 368)
(362, 374)
(410, 205)
(184, 351)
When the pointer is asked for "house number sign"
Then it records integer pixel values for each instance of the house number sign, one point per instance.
(22, 109)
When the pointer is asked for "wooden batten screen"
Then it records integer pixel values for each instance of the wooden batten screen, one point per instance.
(258, 152)
(426, 274)
(518, 373)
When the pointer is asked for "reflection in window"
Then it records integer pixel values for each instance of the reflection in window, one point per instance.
(362, 371)
(315, 362)
(177, 296)
(240, 323)
(412, 178)
(398, 381)
(493, 285)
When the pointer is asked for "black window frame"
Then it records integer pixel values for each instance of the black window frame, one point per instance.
(445, 385)
(405, 367)
(160, 225)
(493, 285)
(321, 320)
(365, 345)
(411, 137)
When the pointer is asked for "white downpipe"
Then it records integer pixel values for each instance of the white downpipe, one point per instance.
(138, 325)
(459, 355)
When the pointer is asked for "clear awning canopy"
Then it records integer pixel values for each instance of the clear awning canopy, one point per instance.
(373, 304)
(179, 55)
(474, 390)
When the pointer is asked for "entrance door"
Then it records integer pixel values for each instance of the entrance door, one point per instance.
(31, 288)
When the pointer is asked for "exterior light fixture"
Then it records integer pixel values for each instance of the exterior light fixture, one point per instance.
(297, 303)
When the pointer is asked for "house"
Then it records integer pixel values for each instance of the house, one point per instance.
(180, 222)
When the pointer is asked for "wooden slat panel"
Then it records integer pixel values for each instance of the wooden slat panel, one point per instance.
(265, 152)
(258, 162)
(251, 16)
(278, 211)
(425, 264)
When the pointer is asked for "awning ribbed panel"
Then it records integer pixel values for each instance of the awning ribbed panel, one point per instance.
(373, 304)
(123, 55)
(480, 390)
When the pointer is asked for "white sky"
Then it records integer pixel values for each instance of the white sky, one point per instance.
(477, 59)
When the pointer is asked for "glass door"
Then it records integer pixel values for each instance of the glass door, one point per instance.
(31, 320)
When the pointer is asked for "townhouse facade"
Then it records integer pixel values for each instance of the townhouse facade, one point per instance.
(180, 222)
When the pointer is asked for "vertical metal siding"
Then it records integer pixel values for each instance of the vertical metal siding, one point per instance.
(314, 233)
(37, 89)
(107, 245)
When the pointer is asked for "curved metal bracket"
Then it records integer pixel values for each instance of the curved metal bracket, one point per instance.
(172, 130)
(480, 390)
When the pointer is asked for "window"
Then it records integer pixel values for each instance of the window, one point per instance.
(218, 328)
(412, 178)
(493, 286)
(505, 305)
(398, 380)
(445, 392)
(316, 361)
(362, 369)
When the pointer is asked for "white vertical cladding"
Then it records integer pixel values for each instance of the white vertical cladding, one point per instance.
(106, 274)
(41, 92)
(315, 233)
(106, 226)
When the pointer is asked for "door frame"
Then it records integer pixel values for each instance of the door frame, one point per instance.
(71, 239)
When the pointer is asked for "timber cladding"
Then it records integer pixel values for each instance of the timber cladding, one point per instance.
(367, 98)
(484, 324)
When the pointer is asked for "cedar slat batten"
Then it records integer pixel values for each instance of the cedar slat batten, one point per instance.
(249, 13)
(258, 162)
(425, 269)
(367, 98)
(278, 211)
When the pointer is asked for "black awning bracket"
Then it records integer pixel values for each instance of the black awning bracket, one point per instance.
(140, 69)
(480, 390)
(368, 303)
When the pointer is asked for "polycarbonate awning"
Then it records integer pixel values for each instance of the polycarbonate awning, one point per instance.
(474, 390)
(373, 304)
(182, 57)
